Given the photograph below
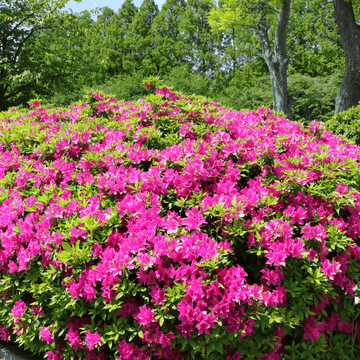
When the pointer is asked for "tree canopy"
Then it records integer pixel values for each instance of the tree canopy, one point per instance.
(38, 46)
(61, 52)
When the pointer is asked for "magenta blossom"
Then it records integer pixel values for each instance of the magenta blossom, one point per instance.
(92, 339)
(74, 339)
(330, 269)
(46, 335)
(18, 309)
(145, 316)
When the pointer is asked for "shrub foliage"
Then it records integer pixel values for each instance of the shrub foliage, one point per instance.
(175, 228)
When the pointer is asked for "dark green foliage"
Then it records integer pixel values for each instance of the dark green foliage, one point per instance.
(123, 86)
(139, 41)
(313, 96)
(169, 49)
(346, 125)
(182, 80)
(313, 43)
(204, 46)
(115, 46)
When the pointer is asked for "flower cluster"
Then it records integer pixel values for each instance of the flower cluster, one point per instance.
(234, 238)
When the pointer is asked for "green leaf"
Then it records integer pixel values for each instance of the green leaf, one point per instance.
(210, 349)
(161, 321)
(66, 247)
(219, 347)
(77, 247)
(64, 256)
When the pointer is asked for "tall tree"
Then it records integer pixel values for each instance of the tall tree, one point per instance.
(349, 30)
(95, 46)
(140, 41)
(233, 14)
(313, 43)
(317, 30)
(115, 48)
(28, 62)
(169, 48)
(204, 46)
(233, 53)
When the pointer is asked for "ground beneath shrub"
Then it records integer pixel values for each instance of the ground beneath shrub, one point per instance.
(12, 351)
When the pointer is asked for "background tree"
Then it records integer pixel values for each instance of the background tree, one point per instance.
(349, 30)
(234, 55)
(232, 14)
(140, 42)
(204, 47)
(170, 51)
(31, 61)
(313, 44)
(107, 42)
(97, 46)
(114, 47)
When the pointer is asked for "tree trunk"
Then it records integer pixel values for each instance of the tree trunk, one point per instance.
(2, 99)
(349, 93)
(277, 60)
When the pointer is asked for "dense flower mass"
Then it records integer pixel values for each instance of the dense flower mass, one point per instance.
(174, 228)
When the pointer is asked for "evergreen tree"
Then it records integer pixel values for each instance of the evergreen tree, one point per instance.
(170, 50)
(139, 41)
(204, 46)
(115, 46)
(93, 46)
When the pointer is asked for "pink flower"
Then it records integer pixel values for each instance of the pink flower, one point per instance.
(317, 232)
(330, 269)
(74, 339)
(248, 327)
(89, 293)
(97, 250)
(237, 356)
(74, 289)
(92, 339)
(5, 333)
(279, 333)
(164, 339)
(34, 104)
(311, 329)
(298, 214)
(55, 355)
(194, 219)
(46, 335)
(350, 287)
(37, 310)
(206, 321)
(12, 267)
(18, 309)
(272, 276)
(158, 295)
(145, 316)
(277, 253)
(272, 356)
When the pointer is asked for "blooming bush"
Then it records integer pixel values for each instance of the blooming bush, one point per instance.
(174, 228)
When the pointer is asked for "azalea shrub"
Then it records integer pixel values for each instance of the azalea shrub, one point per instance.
(174, 228)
